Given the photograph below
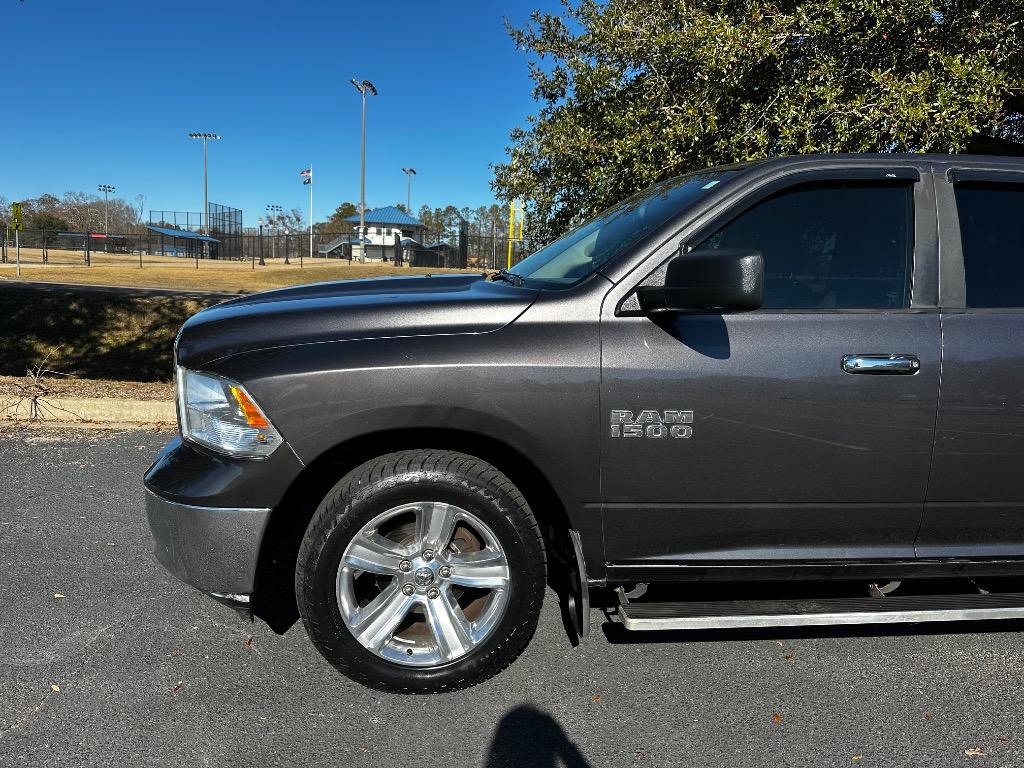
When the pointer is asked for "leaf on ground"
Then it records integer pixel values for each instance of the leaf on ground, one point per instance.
(177, 687)
(975, 752)
(596, 698)
(789, 657)
(776, 718)
(248, 643)
(928, 716)
(55, 688)
(1003, 739)
(58, 596)
(857, 758)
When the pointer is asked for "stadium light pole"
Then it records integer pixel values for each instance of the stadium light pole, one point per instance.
(409, 172)
(206, 188)
(272, 212)
(106, 189)
(363, 86)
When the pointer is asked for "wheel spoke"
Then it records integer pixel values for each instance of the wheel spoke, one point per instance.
(435, 523)
(486, 569)
(376, 622)
(374, 554)
(415, 619)
(449, 625)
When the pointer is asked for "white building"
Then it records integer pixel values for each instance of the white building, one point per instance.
(384, 228)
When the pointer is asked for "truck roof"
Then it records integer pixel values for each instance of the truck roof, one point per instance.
(873, 158)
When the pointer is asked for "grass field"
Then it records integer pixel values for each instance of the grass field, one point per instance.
(181, 273)
(130, 338)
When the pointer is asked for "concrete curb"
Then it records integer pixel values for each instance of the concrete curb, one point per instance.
(104, 410)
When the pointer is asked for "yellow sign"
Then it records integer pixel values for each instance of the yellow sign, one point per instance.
(16, 212)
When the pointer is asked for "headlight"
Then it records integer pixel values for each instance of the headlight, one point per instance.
(220, 414)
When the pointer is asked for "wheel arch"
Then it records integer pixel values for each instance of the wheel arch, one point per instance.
(274, 598)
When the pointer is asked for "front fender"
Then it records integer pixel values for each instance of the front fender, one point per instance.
(528, 388)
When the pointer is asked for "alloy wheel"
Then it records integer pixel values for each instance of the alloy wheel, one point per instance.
(423, 584)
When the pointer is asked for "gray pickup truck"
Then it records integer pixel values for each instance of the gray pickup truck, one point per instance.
(787, 392)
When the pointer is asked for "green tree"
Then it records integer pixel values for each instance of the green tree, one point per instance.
(337, 221)
(47, 221)
(427, 216)
(635, 91)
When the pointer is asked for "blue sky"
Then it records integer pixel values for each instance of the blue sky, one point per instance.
(105, 91)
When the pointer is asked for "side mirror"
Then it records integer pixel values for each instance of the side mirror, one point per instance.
(728, 280)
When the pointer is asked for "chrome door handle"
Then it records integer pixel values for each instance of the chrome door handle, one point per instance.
(883, 364)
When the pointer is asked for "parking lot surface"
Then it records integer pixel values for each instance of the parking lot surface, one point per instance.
(105, 659)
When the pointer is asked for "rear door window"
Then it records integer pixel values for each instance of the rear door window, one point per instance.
(992, 234)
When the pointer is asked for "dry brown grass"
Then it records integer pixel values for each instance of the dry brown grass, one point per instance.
(64, 387)
(180, 273)
(92, 335)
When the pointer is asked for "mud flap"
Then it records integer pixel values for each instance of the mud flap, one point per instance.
(578, 596)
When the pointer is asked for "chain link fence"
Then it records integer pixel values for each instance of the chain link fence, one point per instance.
(448, 250)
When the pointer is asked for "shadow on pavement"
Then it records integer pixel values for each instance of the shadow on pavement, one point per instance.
(528, 737)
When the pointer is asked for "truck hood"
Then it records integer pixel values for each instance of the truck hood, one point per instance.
(350, 309)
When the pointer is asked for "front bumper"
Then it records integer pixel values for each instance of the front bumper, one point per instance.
(213, 548)
(209, 512)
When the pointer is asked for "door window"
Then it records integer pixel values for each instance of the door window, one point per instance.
(992, 233)
(830, 245)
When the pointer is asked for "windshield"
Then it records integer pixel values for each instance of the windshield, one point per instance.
(586, 249)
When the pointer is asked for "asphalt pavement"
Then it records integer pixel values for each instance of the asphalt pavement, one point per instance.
(105, 659)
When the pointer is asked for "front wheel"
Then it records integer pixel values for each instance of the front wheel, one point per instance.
(421, 571)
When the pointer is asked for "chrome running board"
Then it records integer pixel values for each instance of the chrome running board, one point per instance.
(730, 614)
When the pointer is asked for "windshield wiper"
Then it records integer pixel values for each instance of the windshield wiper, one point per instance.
(508, 277)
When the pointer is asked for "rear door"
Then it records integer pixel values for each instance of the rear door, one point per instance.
(975, 503)
(779, 453)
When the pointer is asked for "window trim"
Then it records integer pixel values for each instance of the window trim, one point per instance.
(762, 193)
(953, 269)
(957, 174)
(924, 254)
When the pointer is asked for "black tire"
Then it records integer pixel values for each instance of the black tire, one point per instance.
(407, 477)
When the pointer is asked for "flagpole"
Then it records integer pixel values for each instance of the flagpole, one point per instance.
(311, 210)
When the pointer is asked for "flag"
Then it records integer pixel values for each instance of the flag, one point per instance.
(307, 176)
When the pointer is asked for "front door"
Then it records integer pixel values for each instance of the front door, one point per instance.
(975, 504)
(778, 453)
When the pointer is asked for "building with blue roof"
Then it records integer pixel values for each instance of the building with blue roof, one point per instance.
(389, 216)
(184, 242)
(386, 230)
